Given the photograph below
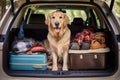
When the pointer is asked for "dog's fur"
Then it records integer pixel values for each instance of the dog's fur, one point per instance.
(58, 38)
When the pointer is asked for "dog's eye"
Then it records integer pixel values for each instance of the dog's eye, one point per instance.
(60, 17)
(53, 17)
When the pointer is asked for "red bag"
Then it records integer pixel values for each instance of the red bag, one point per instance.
(38, 49)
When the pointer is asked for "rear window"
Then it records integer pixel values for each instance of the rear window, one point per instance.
(72, 13)
(84, 13)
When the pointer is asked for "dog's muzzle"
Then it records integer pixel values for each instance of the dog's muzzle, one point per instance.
(57, 28)
(57, 24)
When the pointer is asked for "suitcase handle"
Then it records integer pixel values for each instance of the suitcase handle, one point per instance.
(37, 66)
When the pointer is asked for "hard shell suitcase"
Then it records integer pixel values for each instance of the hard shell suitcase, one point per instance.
(28, 62)
(88, 59)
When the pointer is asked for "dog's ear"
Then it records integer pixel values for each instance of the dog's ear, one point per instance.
(47, 21)
(66, 20)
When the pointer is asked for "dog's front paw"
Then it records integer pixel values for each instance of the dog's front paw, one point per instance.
(65, 68)
(55, 68)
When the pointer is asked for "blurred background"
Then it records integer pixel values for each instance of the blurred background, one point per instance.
(116, 7)
(4, 4)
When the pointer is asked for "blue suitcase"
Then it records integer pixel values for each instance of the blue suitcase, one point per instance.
(28, 62)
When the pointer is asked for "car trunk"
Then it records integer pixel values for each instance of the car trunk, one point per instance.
(110, 62)
(107, 62)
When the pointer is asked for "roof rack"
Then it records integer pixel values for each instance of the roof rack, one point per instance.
(12, 6)
(111, 5)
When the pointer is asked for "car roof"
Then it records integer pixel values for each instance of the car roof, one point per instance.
(21, 2)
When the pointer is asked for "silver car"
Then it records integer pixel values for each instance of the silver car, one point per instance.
(26, 19)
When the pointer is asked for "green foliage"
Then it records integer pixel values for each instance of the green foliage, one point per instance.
(7, 2)
(116, 6)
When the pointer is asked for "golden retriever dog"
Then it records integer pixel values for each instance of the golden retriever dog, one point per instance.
(58, 38)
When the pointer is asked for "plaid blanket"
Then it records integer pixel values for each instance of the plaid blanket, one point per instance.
(86, 35)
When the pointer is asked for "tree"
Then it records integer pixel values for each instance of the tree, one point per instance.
(116, 5)
(2, 8)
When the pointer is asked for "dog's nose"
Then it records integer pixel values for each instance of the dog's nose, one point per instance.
(56, 24)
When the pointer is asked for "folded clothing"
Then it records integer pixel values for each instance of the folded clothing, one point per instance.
(27, 46)
(22, 45)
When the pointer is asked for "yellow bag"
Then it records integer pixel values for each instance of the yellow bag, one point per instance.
(99, 41)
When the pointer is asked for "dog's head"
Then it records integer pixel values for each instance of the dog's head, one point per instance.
(57, 20)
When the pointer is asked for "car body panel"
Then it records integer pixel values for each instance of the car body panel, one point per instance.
(9, 18)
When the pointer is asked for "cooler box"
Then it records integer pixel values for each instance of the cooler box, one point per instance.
(88, 59)
(28, 62)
